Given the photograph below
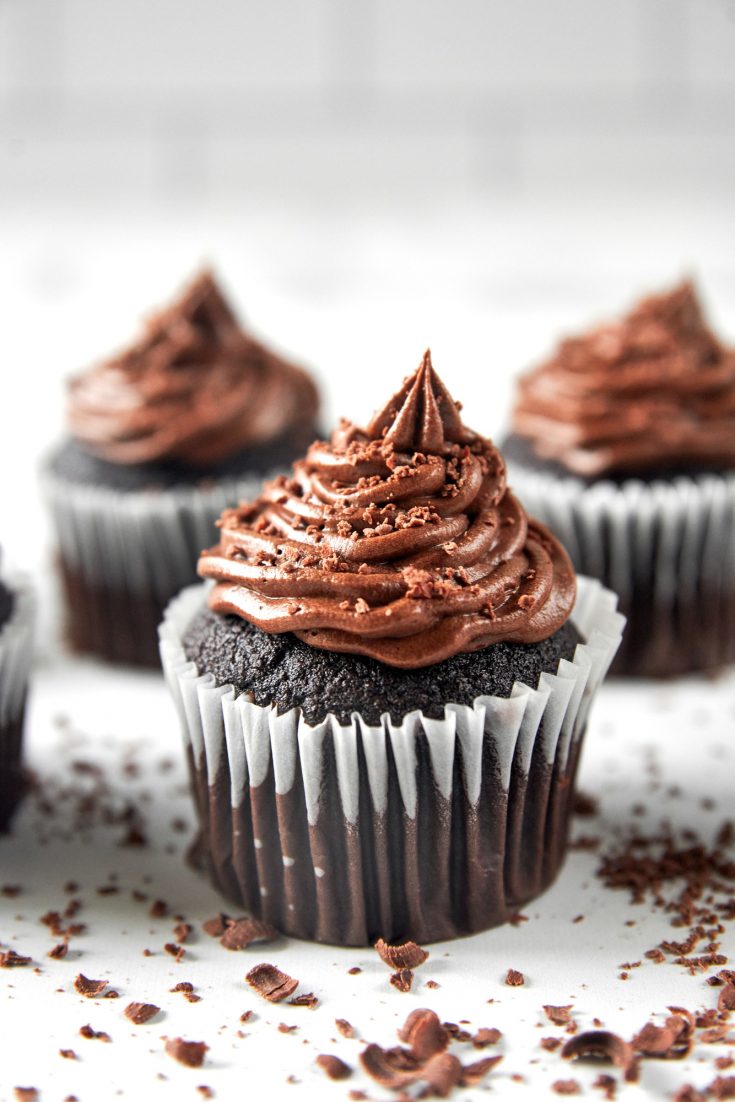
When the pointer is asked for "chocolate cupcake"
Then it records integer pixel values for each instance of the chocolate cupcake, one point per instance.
(624, 445)
(385, 689)
(17, 610)
(163, 437)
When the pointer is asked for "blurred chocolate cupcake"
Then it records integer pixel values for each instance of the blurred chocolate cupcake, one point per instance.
(624, 445)
(17, 609)
(385, 689)
(163, 437)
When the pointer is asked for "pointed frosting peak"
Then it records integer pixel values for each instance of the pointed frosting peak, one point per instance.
(203, 307)
(422, 416)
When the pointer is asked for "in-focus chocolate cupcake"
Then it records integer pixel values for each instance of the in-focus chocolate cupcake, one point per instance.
(624, 445)
(17, 611)
(163, 437)
(385, 689)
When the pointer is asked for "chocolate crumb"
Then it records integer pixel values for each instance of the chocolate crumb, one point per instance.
(514, 978)
(270, 983)
(68, 1054)
(140, 1013)
(26, 1094)
(344, 1027)
(90, 1034)
(182, 930)
(242, 932)
(333, 1067)
(59, 951)
(91, 989)
(402, 980)
(354, 971)
(474, 1073)
(178, 952)
(601, 1045)
(432, 984)
(550, 1044)
(10, 959)
(189, 1053)
(283, 1027)
(309, 1001)
(424, 1034)
(205, 1091)
(407, 956)
(216, 926)
(159, 909)
(559, 1015)
(566, 1086)
(485, 1037)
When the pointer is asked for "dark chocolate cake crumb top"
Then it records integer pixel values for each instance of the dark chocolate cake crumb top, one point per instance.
(279, 669)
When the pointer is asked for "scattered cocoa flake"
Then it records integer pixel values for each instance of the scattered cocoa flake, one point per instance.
(357, 1096)
(559, 1015)
(242, 932)
(68, 1054)
(91, 989)
(714, 1035)
(722, 1063)
(474, 1073)
(485, 1037)
(284, 1028)
(309, 1001)
(514, 978)
(599, 1044)
(10, 891)
(26, 1094)
(517, 919)
(216, 926)
(566, 1086)
(577, 919)
(108, 889)
(688, 1093)
(442, 1073)
(182, 930)
(726, 998)
(671, 1041)
(333, 1067)
(585, 842)
(551, 1043)
(189, 1053)
(393, 1068)
(178, 952)
(424, 1034)
(159, 909)
(354, 971)
(246, 1016)
(402, 980)
(94, 1034)
(344, 1027)
(656, 955)
(407, 956)
(270, 983)
(432, 985)
(59, 951)
(205, 1091)
(140, 1013)
(608, 1085)
(10, 959)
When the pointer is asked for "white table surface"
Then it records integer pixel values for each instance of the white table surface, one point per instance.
(361, 303)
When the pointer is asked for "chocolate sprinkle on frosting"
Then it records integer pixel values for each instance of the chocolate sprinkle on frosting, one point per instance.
(400, 542)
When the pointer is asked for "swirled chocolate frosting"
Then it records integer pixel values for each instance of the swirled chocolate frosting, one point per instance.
(654, 390)
(400, 542)
(195, 389)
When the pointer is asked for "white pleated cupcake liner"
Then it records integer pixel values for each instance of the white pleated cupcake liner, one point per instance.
(141, 541)
(667, 548)
(340, 832)
(16, 649)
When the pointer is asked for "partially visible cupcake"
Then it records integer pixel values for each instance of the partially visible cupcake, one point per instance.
(385, 690)
(624, 444)
(162, 437)
(17, 609)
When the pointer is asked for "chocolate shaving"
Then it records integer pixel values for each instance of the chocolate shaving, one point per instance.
(189, 1053)
(68, 1054)
(402, 980)
(514, 978)
(599, 1044)
(140, 1013)
(550, 1044)
(333, 1067)
(407, 956)
(559, 1015)
(182, 931)
(10, 959)
(309, 1001)
(671, 1041)
(344, 1027)
(566, 1086)
(91, 989)
(474, 1073)
(59, 951)
(726, 998)
(242, 932)
(393, 1068)
(270, 983)
(424, 1034)
(94, 1034)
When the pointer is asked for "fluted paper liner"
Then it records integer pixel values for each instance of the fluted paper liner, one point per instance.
(667, 548)
(16, 645)
(125, 554)
(429, 829)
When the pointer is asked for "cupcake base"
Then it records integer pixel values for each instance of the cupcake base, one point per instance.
(666, 546)
(16, 644)
(430, 828)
